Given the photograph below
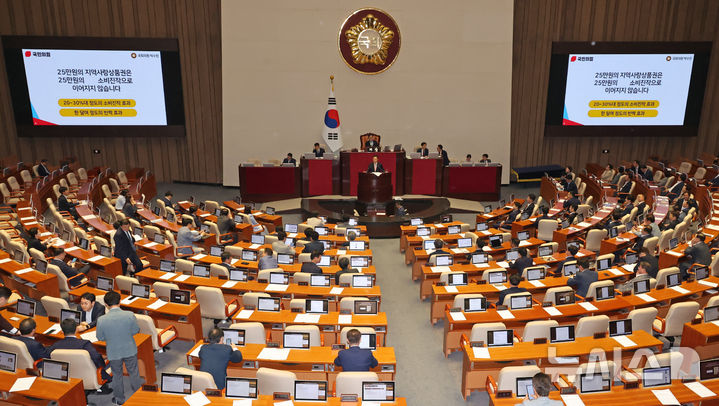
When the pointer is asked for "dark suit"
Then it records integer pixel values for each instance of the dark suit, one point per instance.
(436, 252)
(371, 167)
(653, 265)
(676, 189)
(628, 209)
(699, 254)
(5, 325)
(567, 259)
(521, 263)
(639, 242)
(648, 175)
(167, 202)
(310, 267)
(225, 224)
(640, 208)
(37, 244)
(73, 343)
(42, 170)
(626, 187)
(356, 359)
(529, 209)
(424, 151)
(65, 205)
(214, 359)
(313, 246)
(129, 210)
(570, 202)
(715, 181)
(342, 272)
(124, 249)
(571, 187)
(504, 293)
(97, 311)
(581, 281)
(198, 222)
(37, 351)
(69, 271)
(319, 152)
(292, 161)
(445, 157)
(371, 145)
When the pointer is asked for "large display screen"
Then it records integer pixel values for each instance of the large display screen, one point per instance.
(617, 90)
(95, 86)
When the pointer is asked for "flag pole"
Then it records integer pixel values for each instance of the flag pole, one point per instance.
(332, 82)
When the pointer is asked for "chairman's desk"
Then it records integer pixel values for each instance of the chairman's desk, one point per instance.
(314, 363)
(143, 398)
(70, 393)
(477, 182)
(355, 162)
(476, 370)
(187, 319)
(423, 176)
(145, 353)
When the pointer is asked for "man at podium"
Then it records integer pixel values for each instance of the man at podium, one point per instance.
(375, 166)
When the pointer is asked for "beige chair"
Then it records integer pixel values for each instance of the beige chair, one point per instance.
(124, 283)
(37, 255)
(303, 257)
(348, 303)
(350, 383)
(122, 178)
(362, 330)
(507, 379)
(298, 277)
(538, 329)
(602, 366)
(298, 304)
(673, 359)
(680, 231)
(212, 303)
(254, 332)
(249, 299)
(200, 380)
(163, 211)
(664, 238)
(594, 239)
(62, 280)
(642, 319)
(594, 286)
(672, 325)
(663, 274)
(553, 245)
(53, 305)
(23, 358)
(651, 244)
(508, 298)
(479, 330)
(25, 176)
(81, 367)
(273, 381)
(589, 325)
(685, 167)
(217, 270)
(546, 228)
(235, 252)
(316, 339)
(151, 231)
(444, 277)
(184, 266)
(459, 299)
(162, 289)
(82, 174)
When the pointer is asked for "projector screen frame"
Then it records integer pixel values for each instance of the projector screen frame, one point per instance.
(12, 46)
(557, 83)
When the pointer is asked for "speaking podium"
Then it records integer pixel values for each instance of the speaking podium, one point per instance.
(374, 193)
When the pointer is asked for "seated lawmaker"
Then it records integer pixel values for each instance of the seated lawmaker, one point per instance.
(5, 325)
(468, 158)
(279, 246)
(438, 244)
(215, 356)
(311, 266)
(318, 151)
(315, 245)
(354, 358)
(71, 342)
(70, 272)
(641, 274)
(542, 384)
(289, 159)
(186, 236)
(372, 144)
(423, 150)
(344, 264)
(90, 311)
(375, 166)
(64, 204)
(582, 279)
(267, 260)
(225, 223)
(485, 159)
(514, 281)
(27, 336)
(33, 241)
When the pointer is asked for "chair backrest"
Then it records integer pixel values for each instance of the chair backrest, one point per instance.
(250, 298)
(603, 366)
(162, 289)
(124, 283)
(678, 315)
(25, 175)
(651, 244)
(122, 177)
(219, 270)
(700, 172)
(713, 301)
(642, 319)
(254, 332)
(81, 366)
(479, 330)
(550, 294)
(151, 231)
(61, 278)
(235, 252)
(184, 266)
(212, 303)
(507, 379)
(680, 229)
(314, 331)
(545, 229)
(348, 303)
(459, 299)
(82, 173)
(274, 380)
(37, 255)
(538, 329)
(685, 167)
(589, 325)
(664, 273)
(304, 257)
(298, 277)
(23, 360)
(14, 185)
(508, 298)
(147, 326)
(53, 305)
(350, 383)
(664, 238)
(200, 380)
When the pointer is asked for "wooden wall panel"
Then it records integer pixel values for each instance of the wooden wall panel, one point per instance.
(197, 157)
(538, 23)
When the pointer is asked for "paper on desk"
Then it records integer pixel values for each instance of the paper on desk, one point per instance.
(457, 316)
(450, 289)
(45, 234)
(565, 360)
(54, 328)
(368, 403)
(624, 341)
(699, 388)
(151, 244)
(96, 258)
(254, 246)
(676, 254)
(616, 272)
(157, 220)
(22, 271)
(289, 402)
(197, 399)
(204, 214)
(552, 311)
(665, 396)
(274, 354)
(459, 250)
(182, 278)
(537, 284)
(341, 252)
(196, 351)
(157, 304)
(481, 352)
(274, 287)
(229, 284)
(59, 242)
(424, 237)
(499, 287)
(336, 291)
(198, 257)
(584, 224)
(31, 223)
(292, 235)
(485, 265)
(486, 232)
(344, 319)
(90, 336)
(588, 306)
(645, 297)
(712, 227)
(4, 260)
(245, 314)
(486, 249)
(27, 218)
(524, 243)
(716, 323)
(629, 267)
(680, 289)
(242, 402)
(167, 276)
(505, 314)
(307, 318)
(572, 400)
(438, 269)
(128, 300)
(22, 384)
(503, 264)
(707, 283)
(71, 249)
(13, 318)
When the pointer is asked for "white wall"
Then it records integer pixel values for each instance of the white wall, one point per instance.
(451, 82)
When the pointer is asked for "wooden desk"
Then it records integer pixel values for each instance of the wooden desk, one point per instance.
(472, 182)
(475, 370)
(142, 398)
(154, 252)
(264, 184)
(703, 338)
(624, 240)
(145, 354)
(562, 235)
(499, 212)
(663, 298)
(252, 265)
(107, 266)
(423, 176)
(158, 221)
(320, 176)
(353, 163)
(70, 393)
(408, 231)
(34, 284)
(260, 216)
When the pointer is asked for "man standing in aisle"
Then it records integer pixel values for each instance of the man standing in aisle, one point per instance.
(442, 153)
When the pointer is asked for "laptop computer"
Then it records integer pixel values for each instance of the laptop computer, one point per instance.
(457, 279)
(520, 302)
(592, 383)
(709, 369)
(57, 370)
(239, 275)
(642, 286)
(535, 274)
(105, 251)
(620, 327)
(310, 391)
(464, 242)
(605, 292)
(523, 235)
(70, 314)
(378, 391)
(500, 338)
(454, 229)
(561, 334)
(8, 361)
(444, 260)
(167, 266)
(217, 250)
(564, 298)
(359, 261)
(368, 341)
(319, 306)
(320, 280)
(480, 258)
(659, 376)
(423, 231)
(200, 270)
(295, 340)
(241, 388)
(176, 383)
(524, 387)
(475, 304)
(416, 221)
(362, 281)
(279, 278)
(324, 261)
(268, 304)
(357, 246)
(496, 277)
(233, 336)
(545, 251)
(139, 290)
(25, 308)
(180, 296)
(248, 255)
(711, 313)
(285, 259)
(365, 307)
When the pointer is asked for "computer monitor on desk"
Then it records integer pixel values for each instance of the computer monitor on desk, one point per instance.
(8, 361)
(311, 391)
(378, 391)
(176, 383)
(241, 388)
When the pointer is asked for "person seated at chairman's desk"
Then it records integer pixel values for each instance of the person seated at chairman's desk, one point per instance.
(318, 150)
(372, 144)
(375, 165)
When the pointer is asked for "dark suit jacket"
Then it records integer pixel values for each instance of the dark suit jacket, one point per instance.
(581, 281)
(648, 174)
(521, 263)
(129, 210)
(73, 343)
(567, 259)
(97, 311)
(37, 244)
(355, 359)
(639, 242)
(319, 153)
(37, 351)
(5, 325)
(314, 246)
(570, 202)
(700, 253)
(310, 267)
(529, 209)
(676, 188)
(506, 292)
(167, 202)
(628, 209)
(653, 265)
(214, 359)
(67, 270)
(63, 204)
(371, 144)
(445, 158)
(370, 167)
(342, 272)
(42, 170)
(640, 208)
(124, 245)
(715, 181)
(424, 152)
(571, 187)
(225, 224)
(289, 161)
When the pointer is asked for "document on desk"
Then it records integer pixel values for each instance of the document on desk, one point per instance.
(439, 269)
(480, 352)
(245, 314)
(503, 264)
(588, 306)
(485, 265)
(505, 314)
(167, 276)
(450, 289)
(459, 250)
(182, 278)
(197, 399)
(616, 272)
(552, 311)
(196, 351)
(699, 388)
(499, 287)
(289, 402)
(665, 396)
(524, 243)
(307, 318)
(71, 249)
(90, 336)
(341, 252)
(274, 354)
(254, 246)
(55, 328)
(716, 323)
(157, 304)
(156, 220)
(22, 384)
(676, 254)
(584, 224)
(198, 257)
(344, 319)
(275, 287)
(336, 291)
(707, 283)
(128, 300)
(486, 248)
(22, 271)
(229, 284)
(572, 400)
(629, 267)
(680, 290)
(242, 402)
(457, 316)
(486, 232)
(538, 284)
(645, 297)
(4, 260)
(624, 341)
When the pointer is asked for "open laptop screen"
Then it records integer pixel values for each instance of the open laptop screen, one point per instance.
(499, 338)
(57, 370)
(240, 387)
(656, 376)
(589, 383)
(7, 361)
(378, 391)
(561, 334)
(311, 390)
(176, 383)
(26, 307)
(620, 327)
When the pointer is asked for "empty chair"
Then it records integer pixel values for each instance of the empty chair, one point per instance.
(651, 244)
(298, 277)
(151, 231)
(184, 266)
(594, 286)
(507, 379)
(200, 380)
(249, 299)
(459, 299)
(81, 367)
(314, 331)
(273, 380)
(679, 313)
(664, 238)
(594, 239)
(23, 360)
(642, 319)
(235, 252)
(124, 283)
(553, 245)
(713, 301)
(479, 330)
(348, 303)
(254, 332)
(219, 271)
(212, 303)
(298, 304)
(663, 274)
(546, 228)
(551, 293)
(698, 175)
(53, 305)
(162, 289)
(589, 325)
(538, 329)
(350, 383)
